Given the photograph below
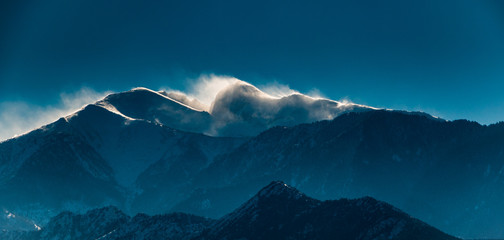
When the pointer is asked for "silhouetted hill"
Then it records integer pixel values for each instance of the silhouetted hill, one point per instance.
(278, 211)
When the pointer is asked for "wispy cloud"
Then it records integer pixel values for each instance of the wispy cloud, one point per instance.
(20, 117)
(265, 106)
(315, 93)
(201, 92)
(277, 89)
(206, 87)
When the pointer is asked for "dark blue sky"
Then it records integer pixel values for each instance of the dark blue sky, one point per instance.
(443, 57)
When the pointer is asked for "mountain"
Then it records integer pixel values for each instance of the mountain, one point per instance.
(167, 226)
(238, 110)
(137, 150)
(90, 225)
(242, 109)
(278, 211)
(142, 103)
(98, 157)
(446, 173)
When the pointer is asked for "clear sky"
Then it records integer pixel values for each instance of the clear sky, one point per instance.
(442, 57)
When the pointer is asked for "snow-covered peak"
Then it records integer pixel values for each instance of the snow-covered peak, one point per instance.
(241, 109)
(184, 99)
(239, 90)
(241, 99)
(138, 99)
(225, 107)
(152, 106)
(237, 108)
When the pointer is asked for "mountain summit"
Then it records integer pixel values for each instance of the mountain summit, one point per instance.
(243, 109)
(138, 151)
(239, 109)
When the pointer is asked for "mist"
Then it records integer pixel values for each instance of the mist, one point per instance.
(20, 117)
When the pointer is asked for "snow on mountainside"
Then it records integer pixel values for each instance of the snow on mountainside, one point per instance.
(244, 109)
(236, 109)
(10, 221)
(129, 142)
(278, 211)
(142, 103)
(95, 157)
(239, 109)
(146, 151)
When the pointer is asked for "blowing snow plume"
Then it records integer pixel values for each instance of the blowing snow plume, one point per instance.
(213, 105)
(20, 117)
(238, 108)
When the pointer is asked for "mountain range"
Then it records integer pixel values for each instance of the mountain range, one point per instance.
(159, 152)
(277, 211)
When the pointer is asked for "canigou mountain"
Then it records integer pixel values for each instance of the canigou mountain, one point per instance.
(86, 155)
(158, 152)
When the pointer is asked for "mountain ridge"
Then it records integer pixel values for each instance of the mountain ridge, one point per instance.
(278, 211)
(99, 156)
